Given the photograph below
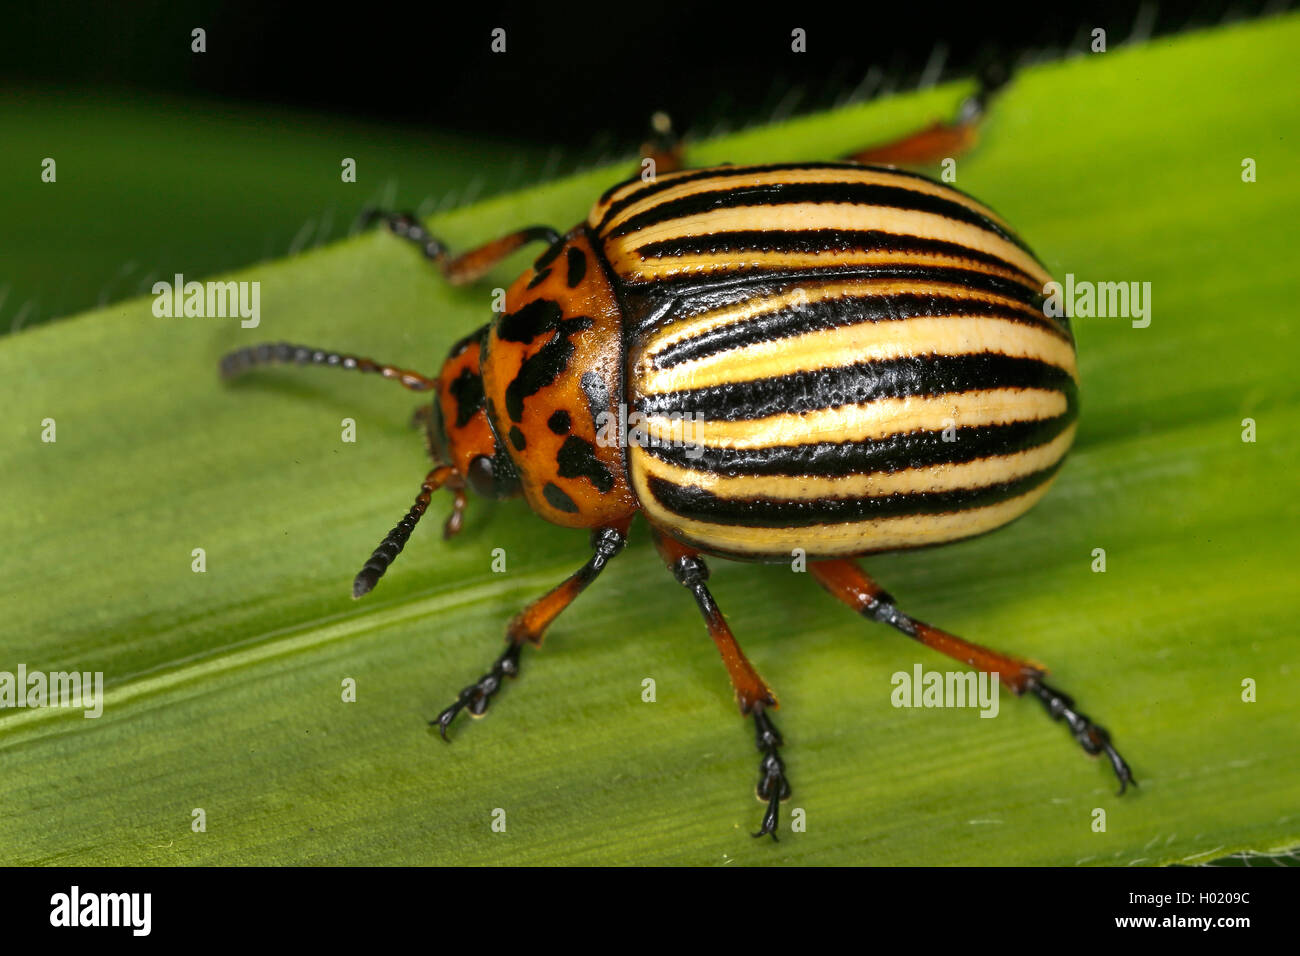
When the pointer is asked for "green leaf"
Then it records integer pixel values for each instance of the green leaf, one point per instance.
(226, 186)
(224, 688)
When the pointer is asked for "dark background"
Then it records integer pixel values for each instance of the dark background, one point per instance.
(572, 75)
(172, 161)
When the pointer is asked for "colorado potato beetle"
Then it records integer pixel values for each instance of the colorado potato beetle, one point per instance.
(832, 359)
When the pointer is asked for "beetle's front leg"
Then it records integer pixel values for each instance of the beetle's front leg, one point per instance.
(423, 420)
(467, 266)
(530, 626)
(752, 693)
(850, 584)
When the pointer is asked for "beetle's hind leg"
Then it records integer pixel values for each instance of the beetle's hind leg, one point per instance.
(663, 146)
(752, 693)
(942, 140)
(850, 584)
(467, 266)
(530, 624)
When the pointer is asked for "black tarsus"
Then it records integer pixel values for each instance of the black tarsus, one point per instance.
(772, 783)
(406, 226)
(477, 695)
(1092, 737)
(606, 542)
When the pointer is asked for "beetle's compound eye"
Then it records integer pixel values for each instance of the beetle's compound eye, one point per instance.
(493, 477)
(480, 476)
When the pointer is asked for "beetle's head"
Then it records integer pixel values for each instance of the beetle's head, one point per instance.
(461, 435)
(461, 441)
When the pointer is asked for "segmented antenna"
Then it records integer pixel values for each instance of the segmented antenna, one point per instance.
(283, 353)
(392, 545)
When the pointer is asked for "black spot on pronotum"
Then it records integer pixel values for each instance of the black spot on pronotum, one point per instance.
(577, 266)
(559, 422)
(558, 499)
(538, 279)
(517, 438)
(543, 367)
(467, 389)
(577, 459)
(526, 323)
(547, 257)
(537, 372)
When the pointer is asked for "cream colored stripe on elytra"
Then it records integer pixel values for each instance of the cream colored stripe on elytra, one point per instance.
(857, 344)
(819, 291)
(849, 538)
(931, 478)
(794, 177)
(870, 421)
(632, 268)
(598, 210)
(804, 216)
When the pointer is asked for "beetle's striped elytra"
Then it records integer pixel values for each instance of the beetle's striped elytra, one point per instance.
(881, 376)
(825, 359)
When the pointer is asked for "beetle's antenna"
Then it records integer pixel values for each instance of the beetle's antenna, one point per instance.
(392, 545)
(282, 353)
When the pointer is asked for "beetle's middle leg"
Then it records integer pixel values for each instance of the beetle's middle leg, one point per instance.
(752, 693)
(850, 584)
(468, 266)
(530, 624)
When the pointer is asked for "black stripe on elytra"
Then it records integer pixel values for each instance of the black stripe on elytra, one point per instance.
(695, 503)
(556, 497)
(649, 306)
(577, 266)
(517, 438)
(781, 194)
(819, 241)
(838, 312)
(857, 384)
(467, 389)
(699, 294)
(917, 449)
(577, 459)
(715, 172)
(538, 279)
